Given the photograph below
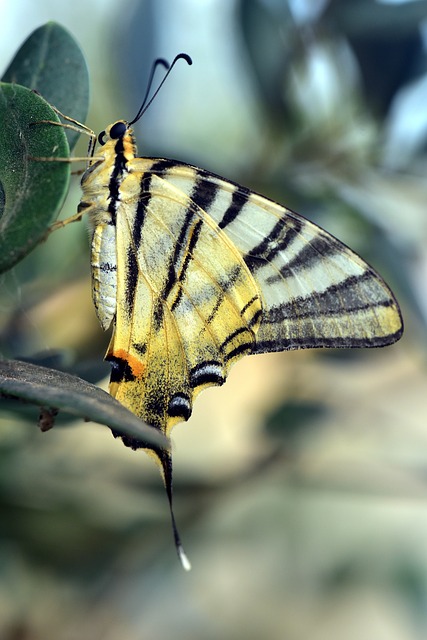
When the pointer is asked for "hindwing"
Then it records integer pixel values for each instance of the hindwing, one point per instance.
(187, 304)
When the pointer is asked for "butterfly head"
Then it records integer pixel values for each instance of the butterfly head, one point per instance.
(116, 131)
(119, 137)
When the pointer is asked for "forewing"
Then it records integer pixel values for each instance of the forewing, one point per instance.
(315, 291)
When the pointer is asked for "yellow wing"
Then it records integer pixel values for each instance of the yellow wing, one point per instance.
(315, 291)
(187, 304)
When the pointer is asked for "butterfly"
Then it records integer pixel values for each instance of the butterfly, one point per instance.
(194, 272)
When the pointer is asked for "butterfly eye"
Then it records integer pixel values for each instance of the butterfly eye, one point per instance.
(118, 130)
(101, 138)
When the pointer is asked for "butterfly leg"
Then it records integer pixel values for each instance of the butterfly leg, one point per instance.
(59, 224)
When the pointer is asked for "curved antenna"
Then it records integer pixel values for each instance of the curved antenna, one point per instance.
(160, 61)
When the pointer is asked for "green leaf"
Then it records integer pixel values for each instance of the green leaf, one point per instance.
(51, 62)
(46, 387)
(33, 191)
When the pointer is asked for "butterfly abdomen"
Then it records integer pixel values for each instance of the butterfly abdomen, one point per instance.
(104, 273)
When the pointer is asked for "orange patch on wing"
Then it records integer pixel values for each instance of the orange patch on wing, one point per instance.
(137, 367)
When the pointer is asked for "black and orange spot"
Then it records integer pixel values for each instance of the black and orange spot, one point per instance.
(125, 367)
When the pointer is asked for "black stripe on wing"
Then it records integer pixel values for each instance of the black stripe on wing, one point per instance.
(279, 239)
(203, 192)
(346, 342)
(239, 199)
(132, 271)
(317, 250)
(194, 236)
(344, 298)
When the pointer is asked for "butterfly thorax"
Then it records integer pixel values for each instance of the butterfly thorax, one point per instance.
(105, 172)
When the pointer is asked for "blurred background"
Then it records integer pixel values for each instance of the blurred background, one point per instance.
(301, 485)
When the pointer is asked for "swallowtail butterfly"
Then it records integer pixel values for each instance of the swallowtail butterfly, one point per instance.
(194, 272)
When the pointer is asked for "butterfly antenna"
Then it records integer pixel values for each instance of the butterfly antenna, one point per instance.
(166, 461)
(160, 61)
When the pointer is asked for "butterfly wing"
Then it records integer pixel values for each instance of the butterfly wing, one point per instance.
(208, 271)
(187, 304)
(315, 291)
